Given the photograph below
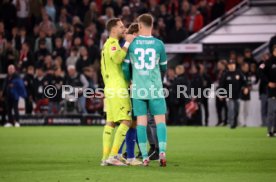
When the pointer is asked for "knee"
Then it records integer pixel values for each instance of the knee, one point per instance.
(111, 124)
(127, 123)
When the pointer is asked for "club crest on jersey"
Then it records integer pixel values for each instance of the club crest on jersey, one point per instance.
(237, 77)
(113, 48)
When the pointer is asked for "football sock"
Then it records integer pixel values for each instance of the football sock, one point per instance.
(122, 146)
(142, 139)
(162, 136)
(118, 139)
(107, 141)
(130, 142)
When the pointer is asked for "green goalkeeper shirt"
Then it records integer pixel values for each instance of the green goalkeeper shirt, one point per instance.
(147, 58)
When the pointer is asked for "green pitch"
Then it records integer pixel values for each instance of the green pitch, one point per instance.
(65, 154)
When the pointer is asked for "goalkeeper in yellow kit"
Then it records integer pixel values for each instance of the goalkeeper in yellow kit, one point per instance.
(117, 100)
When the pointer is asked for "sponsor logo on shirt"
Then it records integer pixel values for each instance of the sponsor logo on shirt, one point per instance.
(113, 48)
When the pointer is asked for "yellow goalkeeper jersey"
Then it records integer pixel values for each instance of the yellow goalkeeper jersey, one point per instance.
(112, 56)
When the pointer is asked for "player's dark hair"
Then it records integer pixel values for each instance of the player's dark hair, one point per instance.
(112, 23)
(133, 28)
(146, 19)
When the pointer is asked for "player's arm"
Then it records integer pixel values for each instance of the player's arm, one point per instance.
(163, 59)
(117, 54)
(126, 68)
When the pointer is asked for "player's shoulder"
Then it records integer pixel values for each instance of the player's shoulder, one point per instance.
(159, 42)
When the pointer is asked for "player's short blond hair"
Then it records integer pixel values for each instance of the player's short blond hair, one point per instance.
(146, 19)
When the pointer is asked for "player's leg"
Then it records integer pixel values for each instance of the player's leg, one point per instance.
(130, 145)
(121, 113)
(140, 110)
(119, 137)
(120, 152)
(158, 109)
(152, 138)
(107, 132)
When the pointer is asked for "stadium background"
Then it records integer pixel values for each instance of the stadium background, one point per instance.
(222, 29)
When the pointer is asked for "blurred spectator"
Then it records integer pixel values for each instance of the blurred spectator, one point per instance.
(196, 84)
(41, 53)
(43, 40)
(206, 84)
(13, 89)
(173, 7)
(79, 81)
(25, 57)
(9, 56)
(168, 18)
(271, 43)
(91, 15)
(127, 14)
(40, 83)
(234, 82)
(248, 58)
(57, 80)
(29, 85)
(82, 8)
(203, 8)
(177, 107)
(245, 95)
(218, 9)
(263, 91)
(93, 51)
(47, 26)
(178, 32)
(51, 10)
(22, 38)
(73, 58)
(23, 13)
(194, 21)
(8, 14)
(268, 74)
(240, 61)
(137, 7)
(84, 60)
(2, 37)
(221, 106)
(154, 8)
(59, 51)
(170, 100)
(233, 56)
(13, 36)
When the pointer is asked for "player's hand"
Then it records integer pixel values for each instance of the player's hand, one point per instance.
(129, 37)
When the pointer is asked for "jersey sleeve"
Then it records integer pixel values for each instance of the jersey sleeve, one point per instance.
(163, 58)
(126, 68)
(117, 54)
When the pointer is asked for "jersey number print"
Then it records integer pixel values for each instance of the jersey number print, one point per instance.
(142, 53)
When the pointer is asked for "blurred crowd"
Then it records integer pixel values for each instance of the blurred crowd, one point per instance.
(56, 42)
(241, 72)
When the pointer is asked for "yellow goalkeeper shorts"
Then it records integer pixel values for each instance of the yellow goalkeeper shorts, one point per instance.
(117, 109)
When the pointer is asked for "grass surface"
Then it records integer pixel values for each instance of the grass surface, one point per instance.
(65, 154)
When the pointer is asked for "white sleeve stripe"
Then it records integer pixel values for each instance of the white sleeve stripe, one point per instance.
(127, 61)
(164, 63)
